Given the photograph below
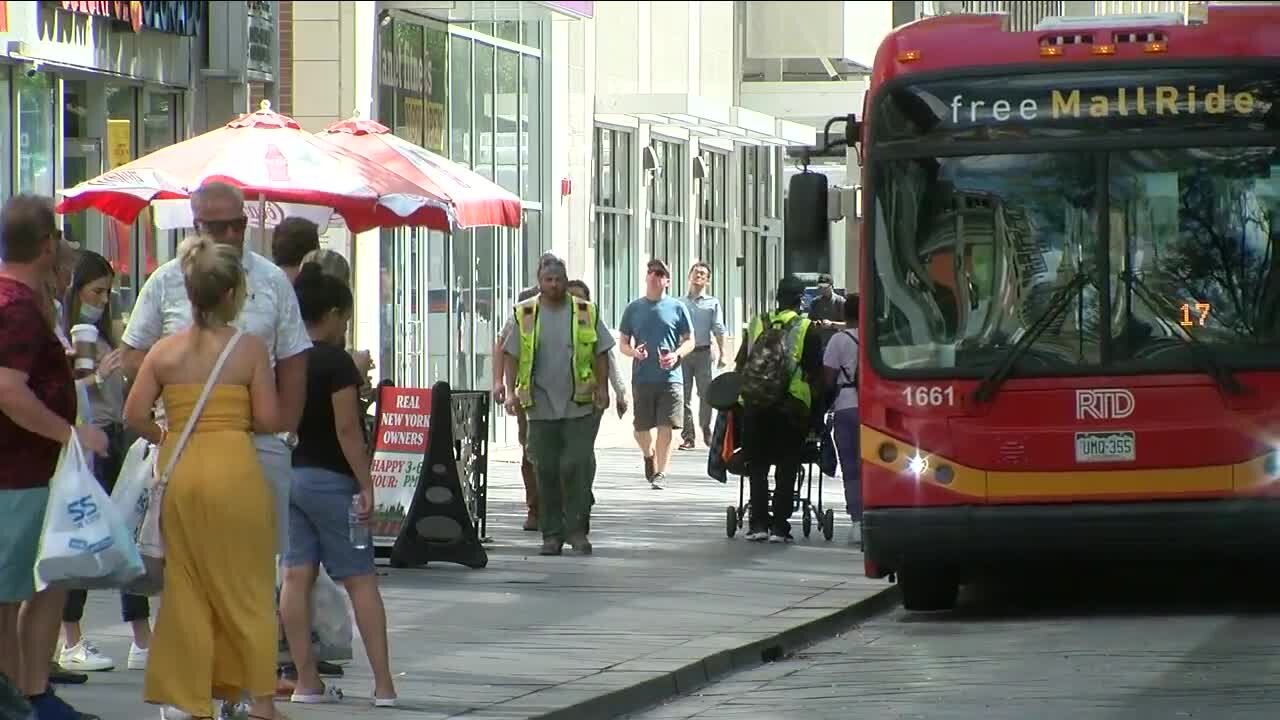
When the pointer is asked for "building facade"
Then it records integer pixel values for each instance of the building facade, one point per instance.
(616, 123)
(88, 86)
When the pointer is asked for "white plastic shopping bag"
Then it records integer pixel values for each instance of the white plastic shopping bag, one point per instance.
(83, 542)
(137, 476)
(330, 620)
(150, 542)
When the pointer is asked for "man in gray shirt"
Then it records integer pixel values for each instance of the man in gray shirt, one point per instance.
(557, 369)
(708, 322)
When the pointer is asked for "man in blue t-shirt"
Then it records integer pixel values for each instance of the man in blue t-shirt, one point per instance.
(656, 333)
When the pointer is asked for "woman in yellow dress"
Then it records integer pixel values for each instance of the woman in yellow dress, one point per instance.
(215, 634)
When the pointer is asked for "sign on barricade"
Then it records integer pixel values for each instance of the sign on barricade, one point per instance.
(403, 433)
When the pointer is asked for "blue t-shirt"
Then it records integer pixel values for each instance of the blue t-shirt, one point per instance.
(658, 326)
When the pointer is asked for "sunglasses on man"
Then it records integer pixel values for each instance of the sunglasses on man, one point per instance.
(218, 227)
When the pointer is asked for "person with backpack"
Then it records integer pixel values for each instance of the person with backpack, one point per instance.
(840, 361)
(781, 373)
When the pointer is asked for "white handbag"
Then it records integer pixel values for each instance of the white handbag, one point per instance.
(150, 540)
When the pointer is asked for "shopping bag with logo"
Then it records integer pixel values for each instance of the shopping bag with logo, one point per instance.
(83, 542)
(149, 538)
(137, 475)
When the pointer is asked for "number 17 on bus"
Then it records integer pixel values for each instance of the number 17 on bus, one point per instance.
(1201, 311)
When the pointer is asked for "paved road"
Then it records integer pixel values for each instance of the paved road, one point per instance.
(1131, 646)
(665, 592)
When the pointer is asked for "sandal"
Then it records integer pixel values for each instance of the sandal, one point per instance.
(328, 694)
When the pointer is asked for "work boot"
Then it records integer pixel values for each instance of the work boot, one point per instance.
(580, 543)
(531, 521)
(552, 546)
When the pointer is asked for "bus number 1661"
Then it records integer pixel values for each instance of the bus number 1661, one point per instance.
(921, 396)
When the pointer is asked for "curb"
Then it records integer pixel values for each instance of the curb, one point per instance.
(683, 680)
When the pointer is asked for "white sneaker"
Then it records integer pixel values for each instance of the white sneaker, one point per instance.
(169, 712)
(138, 657)
(84, 657)
(855, 533)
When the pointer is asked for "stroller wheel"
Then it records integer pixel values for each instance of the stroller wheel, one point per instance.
(731, 521)
(829, 524)
(807, 523)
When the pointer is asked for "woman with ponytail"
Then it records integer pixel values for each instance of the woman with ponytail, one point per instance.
(216, 630)
(330, 474)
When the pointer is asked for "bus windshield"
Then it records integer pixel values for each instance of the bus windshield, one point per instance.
(970, 250)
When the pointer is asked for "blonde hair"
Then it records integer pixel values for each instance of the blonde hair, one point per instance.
(331, 263)
(211, 270)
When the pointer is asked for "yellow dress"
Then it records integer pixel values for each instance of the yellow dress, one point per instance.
(215, 634)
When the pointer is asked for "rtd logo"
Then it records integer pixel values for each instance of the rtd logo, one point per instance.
(1111, 404)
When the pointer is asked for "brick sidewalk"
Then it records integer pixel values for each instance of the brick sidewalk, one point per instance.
(666, 602)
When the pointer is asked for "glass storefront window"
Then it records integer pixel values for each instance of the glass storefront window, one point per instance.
(161, 112)
(487, 319)
(460, 100)
(410, 120)
(36, 123)
(6, 135)
(464, 309)
(507, 110)
(713, 225)
(532, 32)
(531, 129)
(667, 212)
(533, 246)
(436, 97)
(482, 104)
(615, 256)
(509, 30)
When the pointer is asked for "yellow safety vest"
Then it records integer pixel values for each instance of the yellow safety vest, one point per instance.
(798, 387)
(529, 323)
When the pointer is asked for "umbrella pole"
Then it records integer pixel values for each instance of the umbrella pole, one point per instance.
(262, 224)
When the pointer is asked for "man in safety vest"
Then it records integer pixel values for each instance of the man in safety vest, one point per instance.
(784, 348)
(522, 422)
(557, 370)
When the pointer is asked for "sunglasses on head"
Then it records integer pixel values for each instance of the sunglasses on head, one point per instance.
(217, 227)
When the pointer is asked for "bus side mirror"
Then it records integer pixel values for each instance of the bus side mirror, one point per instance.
(807, 229)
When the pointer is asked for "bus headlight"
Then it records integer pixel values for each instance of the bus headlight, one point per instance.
(918, 464)
(1271, 466)
(888, 452)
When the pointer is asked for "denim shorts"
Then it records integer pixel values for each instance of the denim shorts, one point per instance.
(318, 529)
(23, 518)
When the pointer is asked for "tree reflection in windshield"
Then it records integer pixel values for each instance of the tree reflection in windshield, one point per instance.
(968, 251)
(1201, 225)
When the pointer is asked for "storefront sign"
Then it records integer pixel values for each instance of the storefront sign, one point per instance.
(404, 428)
(119, 142)
(176, 17)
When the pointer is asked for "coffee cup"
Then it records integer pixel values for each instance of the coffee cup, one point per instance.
(84, 338)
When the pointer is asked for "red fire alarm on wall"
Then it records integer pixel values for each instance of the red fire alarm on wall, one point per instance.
(566, 187)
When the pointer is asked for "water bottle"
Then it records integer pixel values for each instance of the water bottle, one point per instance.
(360, 537)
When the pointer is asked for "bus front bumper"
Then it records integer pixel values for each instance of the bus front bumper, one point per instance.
(968, 534)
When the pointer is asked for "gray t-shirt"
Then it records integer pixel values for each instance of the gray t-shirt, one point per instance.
(553, 363)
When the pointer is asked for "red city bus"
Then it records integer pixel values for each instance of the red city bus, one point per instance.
(1070, 289)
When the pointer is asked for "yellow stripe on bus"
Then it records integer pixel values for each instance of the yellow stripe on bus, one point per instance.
(1005, 485)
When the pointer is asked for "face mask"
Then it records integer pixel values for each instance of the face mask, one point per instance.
(90, 314)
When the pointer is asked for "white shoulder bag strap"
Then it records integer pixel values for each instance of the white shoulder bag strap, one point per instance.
(195, 414)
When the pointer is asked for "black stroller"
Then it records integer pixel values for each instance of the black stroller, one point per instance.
(727, 457)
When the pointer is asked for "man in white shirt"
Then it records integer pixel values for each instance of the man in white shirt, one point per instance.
(270, 312)
(840, 361)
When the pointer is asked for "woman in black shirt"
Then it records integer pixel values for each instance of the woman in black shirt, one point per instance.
(331, 472)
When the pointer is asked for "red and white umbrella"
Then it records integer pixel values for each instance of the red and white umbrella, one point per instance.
(271, 159)
(462, 198)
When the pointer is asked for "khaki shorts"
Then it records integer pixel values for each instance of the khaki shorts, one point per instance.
(657, 405)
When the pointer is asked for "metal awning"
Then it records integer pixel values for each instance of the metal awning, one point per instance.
(701, 116)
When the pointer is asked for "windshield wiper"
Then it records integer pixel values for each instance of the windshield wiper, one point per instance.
(1057, 305)
(1221, 376)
